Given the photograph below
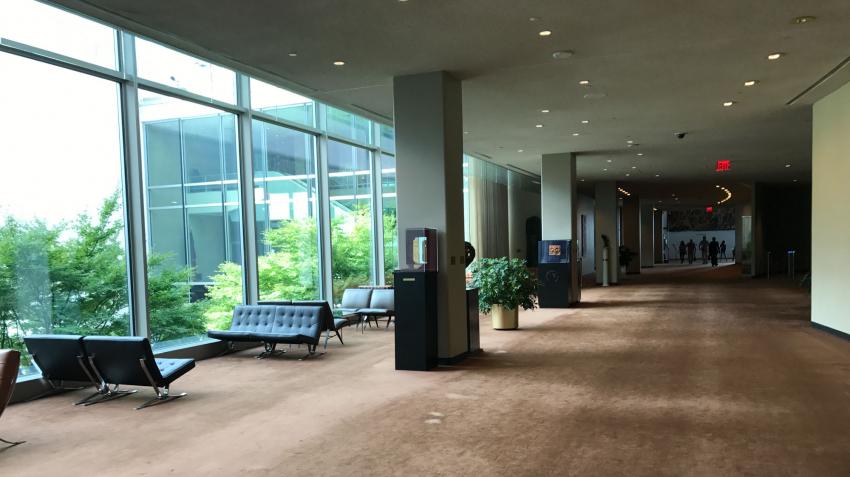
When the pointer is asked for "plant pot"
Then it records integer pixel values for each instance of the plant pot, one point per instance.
(504, 318)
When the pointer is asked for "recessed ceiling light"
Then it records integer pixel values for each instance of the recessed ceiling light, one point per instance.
(775, 56)
(657, 175)
(727, 104)
(605, 169)
(339, 63)
(795, 180)
(293, 54)
(575, 134)
(585, 121)
(627, 174)
(545, 33)
(544, 111)
(466, 132)
(533, 19)
(751, 82)
(640, 154)
(629, 141)
(804, 19)
(634, 167)
(584, 83)
(562, 54)
(787, 165)
(610, 161)
(582, 180)
(538, 125)
(520, 150)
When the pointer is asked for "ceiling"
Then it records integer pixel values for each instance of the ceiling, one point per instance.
(656, 67)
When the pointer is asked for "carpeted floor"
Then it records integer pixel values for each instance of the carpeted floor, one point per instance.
(680, 371)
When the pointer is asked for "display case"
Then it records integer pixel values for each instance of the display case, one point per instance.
(555, 274)
(421, 250)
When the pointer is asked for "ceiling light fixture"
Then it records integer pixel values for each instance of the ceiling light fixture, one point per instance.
(610, 161)
(624, 191)
(634, 167)
(544, 111)
(575, 134)
(520, 150)
(775, 56)
(728, 104)
(751, 82)
(293, 54)
(585, 121)
(787, 165)
(545, 33)
(629, 141)
(339, 63)
(584, 83)
(562, 55)
(804, 19)
(605, 169)
(640, 154)
(538, 125)
(627, 174)
(533, 19)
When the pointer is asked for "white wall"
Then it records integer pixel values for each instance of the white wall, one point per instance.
(830, 224)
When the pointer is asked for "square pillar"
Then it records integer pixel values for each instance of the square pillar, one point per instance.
(605, 223)
(558, 206)
(429, 178)
(647, 235)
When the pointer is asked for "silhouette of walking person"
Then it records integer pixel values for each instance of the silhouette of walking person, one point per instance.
(713, 250)
(692, 251)
(683, 250)
(723, 250)
(703, 250)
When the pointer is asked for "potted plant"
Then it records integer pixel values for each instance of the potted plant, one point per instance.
(504, 285)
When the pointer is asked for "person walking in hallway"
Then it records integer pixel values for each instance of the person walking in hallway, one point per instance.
(713, 250)
(692, 251)
(703, 250)
(723, 250)
(682, 251)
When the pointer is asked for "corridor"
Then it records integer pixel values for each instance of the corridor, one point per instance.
(679, 371)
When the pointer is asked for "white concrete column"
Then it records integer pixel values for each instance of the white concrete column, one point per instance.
(605, 223)
(558, 205)
(429, 177)
(647, 235)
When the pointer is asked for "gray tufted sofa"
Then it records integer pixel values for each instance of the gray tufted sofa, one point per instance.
(273, 325)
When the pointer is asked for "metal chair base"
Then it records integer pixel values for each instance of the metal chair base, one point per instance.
(10, 444)
(161, 399)
(109, 395)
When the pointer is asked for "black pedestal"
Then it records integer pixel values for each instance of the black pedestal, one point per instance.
(554, 291)
(416, 320)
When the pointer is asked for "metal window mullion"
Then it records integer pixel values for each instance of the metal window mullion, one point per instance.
(325, 246)
(250, 276)
(377, 217)
(134, 192)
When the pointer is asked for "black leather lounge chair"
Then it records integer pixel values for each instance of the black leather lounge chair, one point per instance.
(63, 362)
(273, 325)
(129, 360)
(331, 324)
(353, 299)
(10, 362)
(381, 305)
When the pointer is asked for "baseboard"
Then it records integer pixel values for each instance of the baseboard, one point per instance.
(831, 331)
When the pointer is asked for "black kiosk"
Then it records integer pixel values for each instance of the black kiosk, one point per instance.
(416, 303)
(554, 272)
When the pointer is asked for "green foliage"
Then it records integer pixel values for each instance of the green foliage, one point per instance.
(70, 278)
(503, 281)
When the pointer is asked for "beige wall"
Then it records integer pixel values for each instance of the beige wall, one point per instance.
(830, 219)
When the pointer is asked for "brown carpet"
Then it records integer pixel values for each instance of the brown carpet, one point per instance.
(681, 371)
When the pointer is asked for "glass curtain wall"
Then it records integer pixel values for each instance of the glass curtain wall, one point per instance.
(63, 267)
(286, 210)
(194, 223)
(350, 194)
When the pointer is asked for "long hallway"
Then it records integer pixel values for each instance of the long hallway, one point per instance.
(679, 371)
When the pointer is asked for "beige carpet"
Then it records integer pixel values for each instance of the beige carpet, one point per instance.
(681, 371)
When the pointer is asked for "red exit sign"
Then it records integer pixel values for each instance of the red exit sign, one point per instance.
(709, 209)
(723, 166)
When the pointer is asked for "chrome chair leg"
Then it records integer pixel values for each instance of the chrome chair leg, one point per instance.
(11, 443)
(162, 396)
(109, 395)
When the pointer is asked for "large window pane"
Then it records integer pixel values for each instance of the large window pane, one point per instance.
(347, 125)
(62, 256)
(387, 138)
(282, 104)
(285, 192)
(52, 29)
(194, 224)
(350, 194)
(390, 217)
(179, 70)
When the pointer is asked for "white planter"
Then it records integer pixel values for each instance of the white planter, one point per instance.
(504, 318)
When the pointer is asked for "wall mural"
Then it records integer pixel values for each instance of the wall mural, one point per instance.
(699, 219)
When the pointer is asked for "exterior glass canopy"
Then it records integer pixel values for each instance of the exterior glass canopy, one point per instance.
(145, 191)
